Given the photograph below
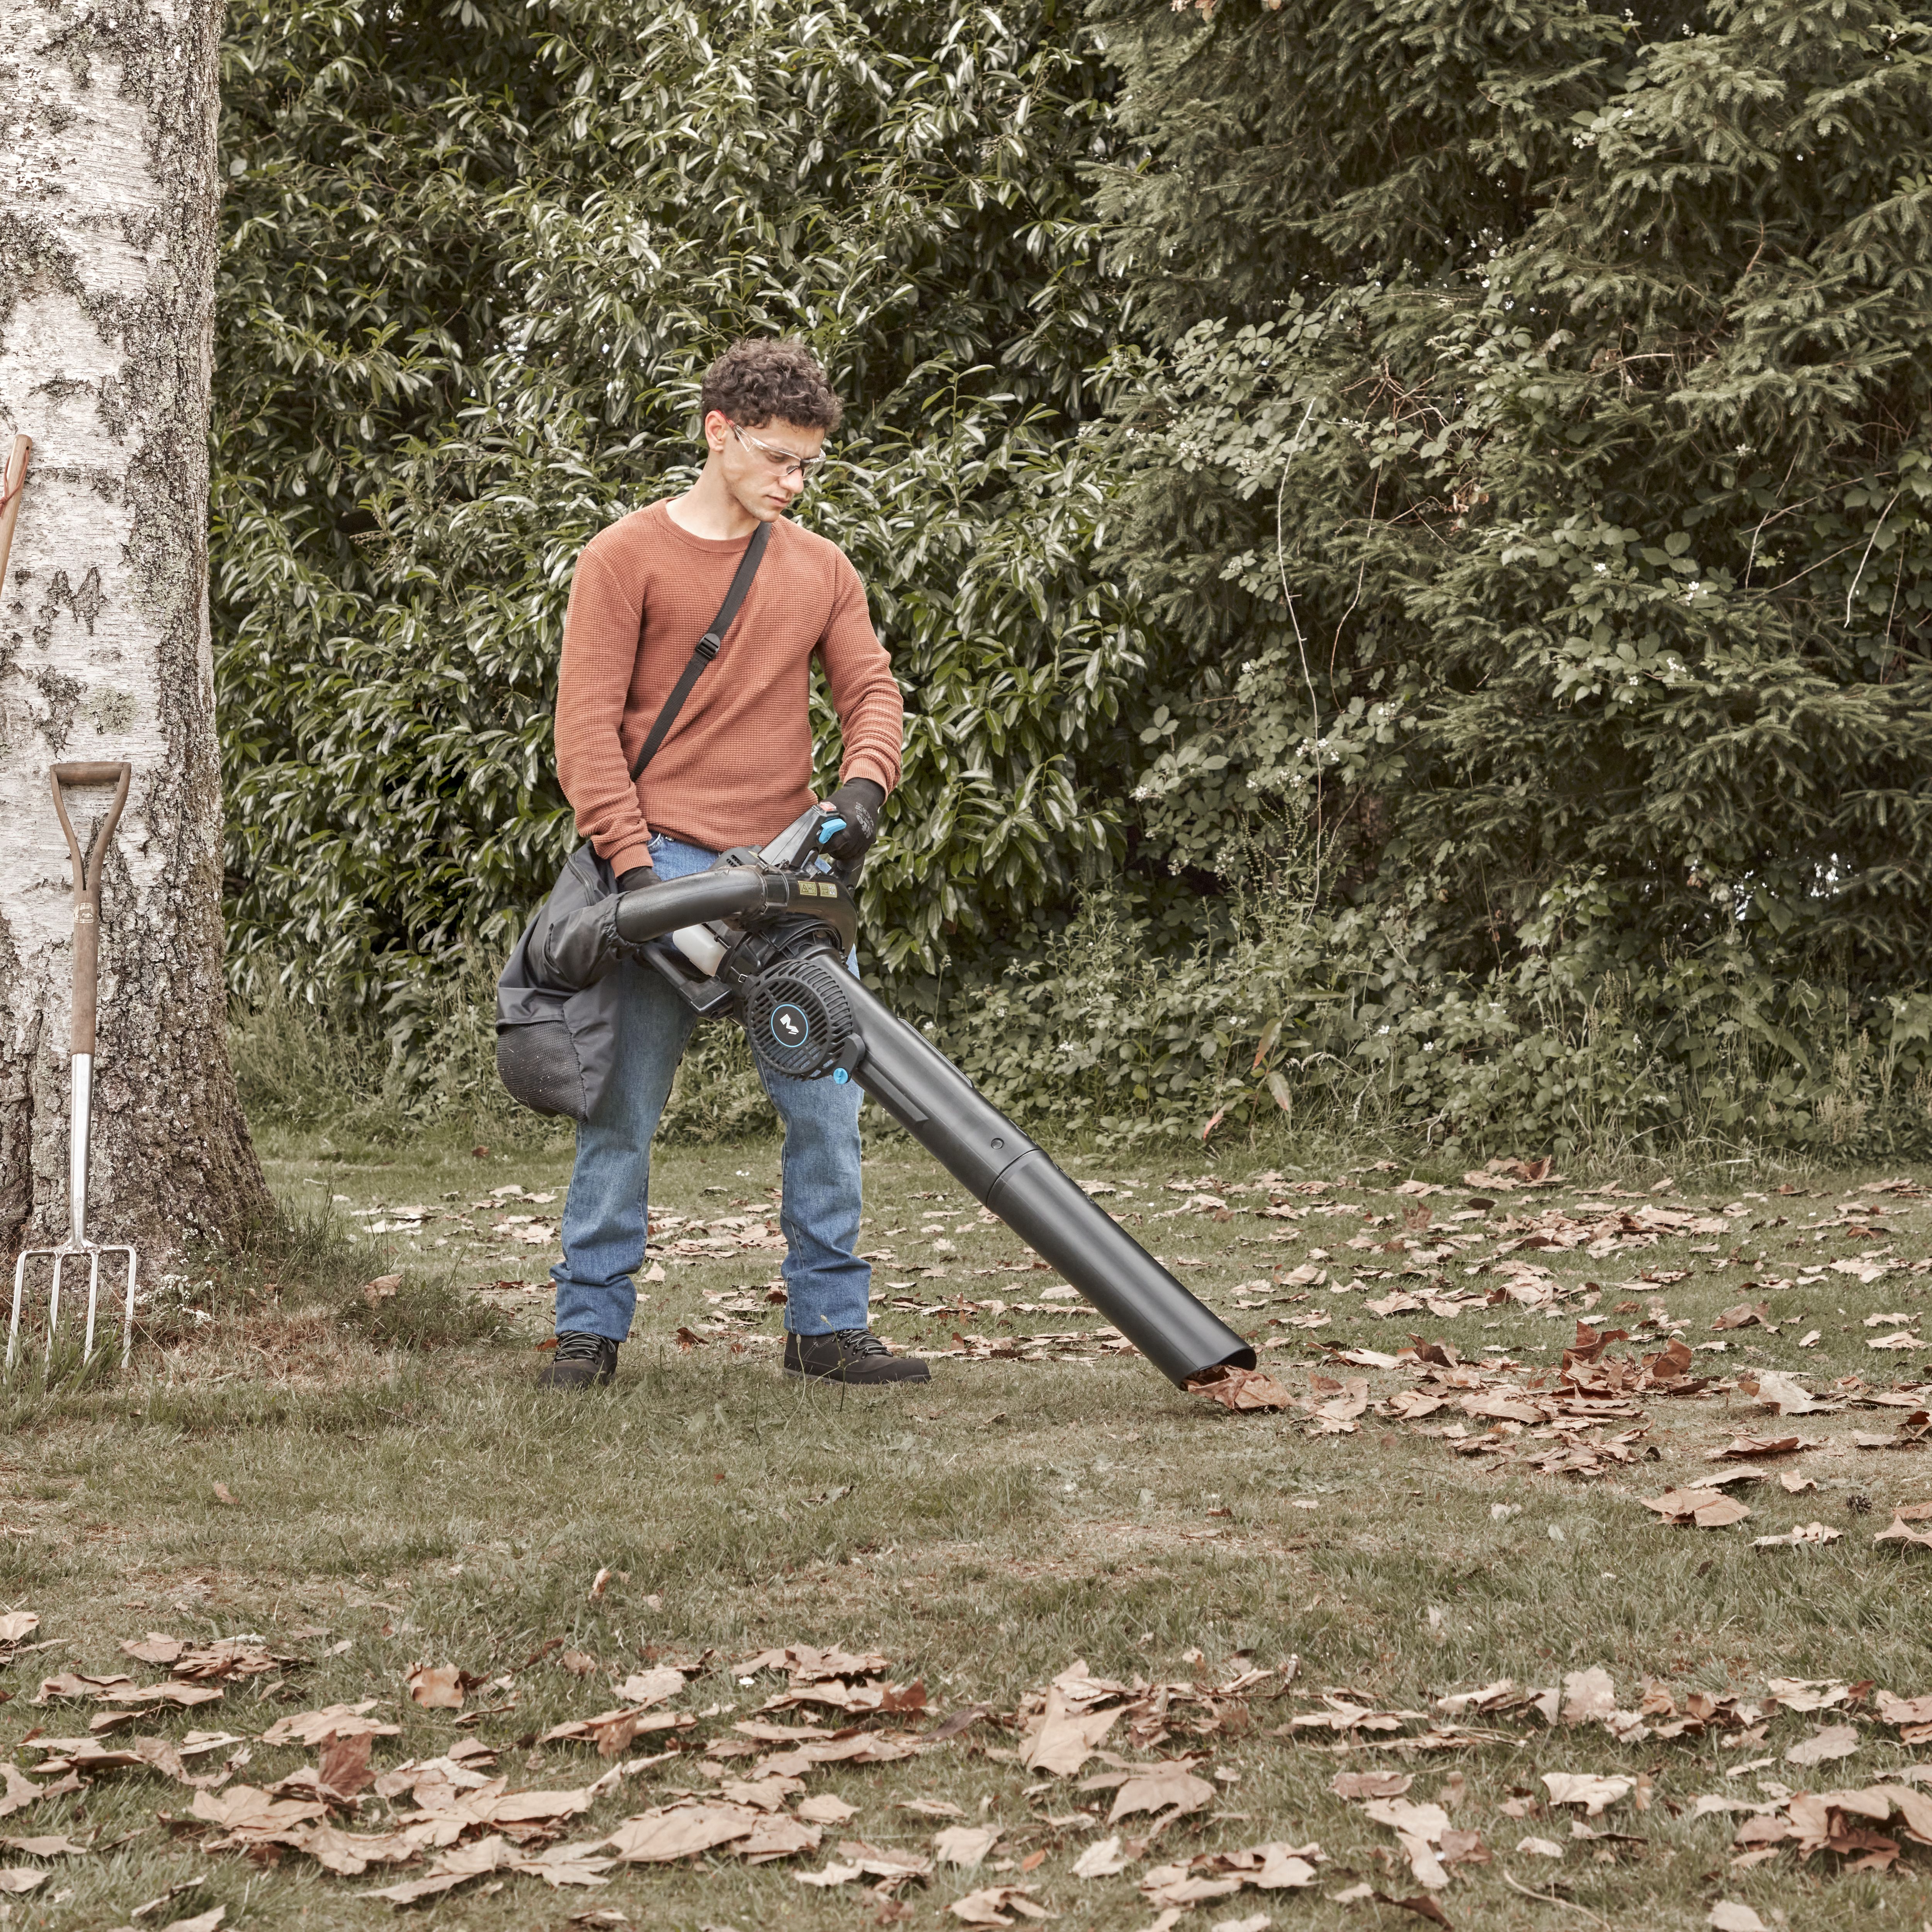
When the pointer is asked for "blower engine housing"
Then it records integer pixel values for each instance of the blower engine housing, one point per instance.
(797, 1016)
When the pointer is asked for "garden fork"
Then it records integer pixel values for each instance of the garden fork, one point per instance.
(87, 877)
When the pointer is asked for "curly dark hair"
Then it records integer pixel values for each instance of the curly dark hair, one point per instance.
(761, 380)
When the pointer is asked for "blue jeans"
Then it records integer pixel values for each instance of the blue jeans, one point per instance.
(605, 1213)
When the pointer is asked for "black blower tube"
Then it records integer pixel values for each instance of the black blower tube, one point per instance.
(724, 892)
(999, 1166)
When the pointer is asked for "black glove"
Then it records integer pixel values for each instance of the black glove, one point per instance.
(637, 877)
(858, 801)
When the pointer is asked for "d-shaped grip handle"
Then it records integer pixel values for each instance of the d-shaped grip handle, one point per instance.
(87, 872)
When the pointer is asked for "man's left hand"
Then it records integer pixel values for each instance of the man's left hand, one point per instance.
(858, 801)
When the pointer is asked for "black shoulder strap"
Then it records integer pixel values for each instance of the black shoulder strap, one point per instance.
(707, 647)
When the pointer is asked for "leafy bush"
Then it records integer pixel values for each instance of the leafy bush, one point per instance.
(470, 283)
(1530, 492)
(1412, 597)
(1114, 1037)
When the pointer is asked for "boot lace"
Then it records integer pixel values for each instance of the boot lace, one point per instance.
(575, 1345)
(861, 1342)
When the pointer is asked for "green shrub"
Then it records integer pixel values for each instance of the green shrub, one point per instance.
(1113, 1035)
(470, 282)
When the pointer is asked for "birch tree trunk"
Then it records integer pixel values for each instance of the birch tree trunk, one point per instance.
(108, 200)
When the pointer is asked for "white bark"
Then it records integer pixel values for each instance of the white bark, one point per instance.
(108, 200)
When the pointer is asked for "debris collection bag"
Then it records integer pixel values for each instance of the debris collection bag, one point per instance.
(556, 1018)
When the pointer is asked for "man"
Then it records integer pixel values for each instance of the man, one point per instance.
(735, 769)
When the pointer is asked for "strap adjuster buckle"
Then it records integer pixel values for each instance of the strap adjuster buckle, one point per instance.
(709, 645)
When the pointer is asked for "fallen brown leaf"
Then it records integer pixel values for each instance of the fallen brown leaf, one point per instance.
(989, 1906)
(1749, 1448)
(1158, 1788)
(1589, 1696)
(824, 1808)
(1422, 1905)
(672, 1832)
(1809, 1535)
(1242, 1390)
(1825, 1746)
(1419, 1827)
(1103, 1859)
(1066, 1739)
(313, 1728)
(157, 1648)
(1708, 1509)
(1594, 1794)
(964, 1845)
(1358, 1785)
(440, 1687)
(202, 1921)
(344, 1769)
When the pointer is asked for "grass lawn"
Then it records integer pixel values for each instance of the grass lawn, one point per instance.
(401, 1495)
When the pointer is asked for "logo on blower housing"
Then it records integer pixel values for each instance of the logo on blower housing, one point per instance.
(790, 1026)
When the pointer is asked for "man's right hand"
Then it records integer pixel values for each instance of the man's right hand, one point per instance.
(637, 878)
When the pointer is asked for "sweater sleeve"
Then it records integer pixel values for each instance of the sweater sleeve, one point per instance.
(600, 649)
(865, 693)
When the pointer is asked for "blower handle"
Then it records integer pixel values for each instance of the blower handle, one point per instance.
(87, 877)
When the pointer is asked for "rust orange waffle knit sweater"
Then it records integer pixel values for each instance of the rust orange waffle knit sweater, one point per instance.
(736, 767)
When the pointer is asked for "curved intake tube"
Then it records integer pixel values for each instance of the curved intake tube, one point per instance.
(727, 892)
(581, 947)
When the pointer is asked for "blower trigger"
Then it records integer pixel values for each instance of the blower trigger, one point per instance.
(830, 829)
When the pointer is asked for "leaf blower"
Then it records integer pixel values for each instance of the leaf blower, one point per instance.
(762, 938)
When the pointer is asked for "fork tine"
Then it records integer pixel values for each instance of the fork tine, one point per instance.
(93, 1301)
(19, 1282)
(53, 1303)
(127, 1320)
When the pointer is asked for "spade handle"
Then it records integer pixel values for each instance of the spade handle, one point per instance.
(87, 872)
